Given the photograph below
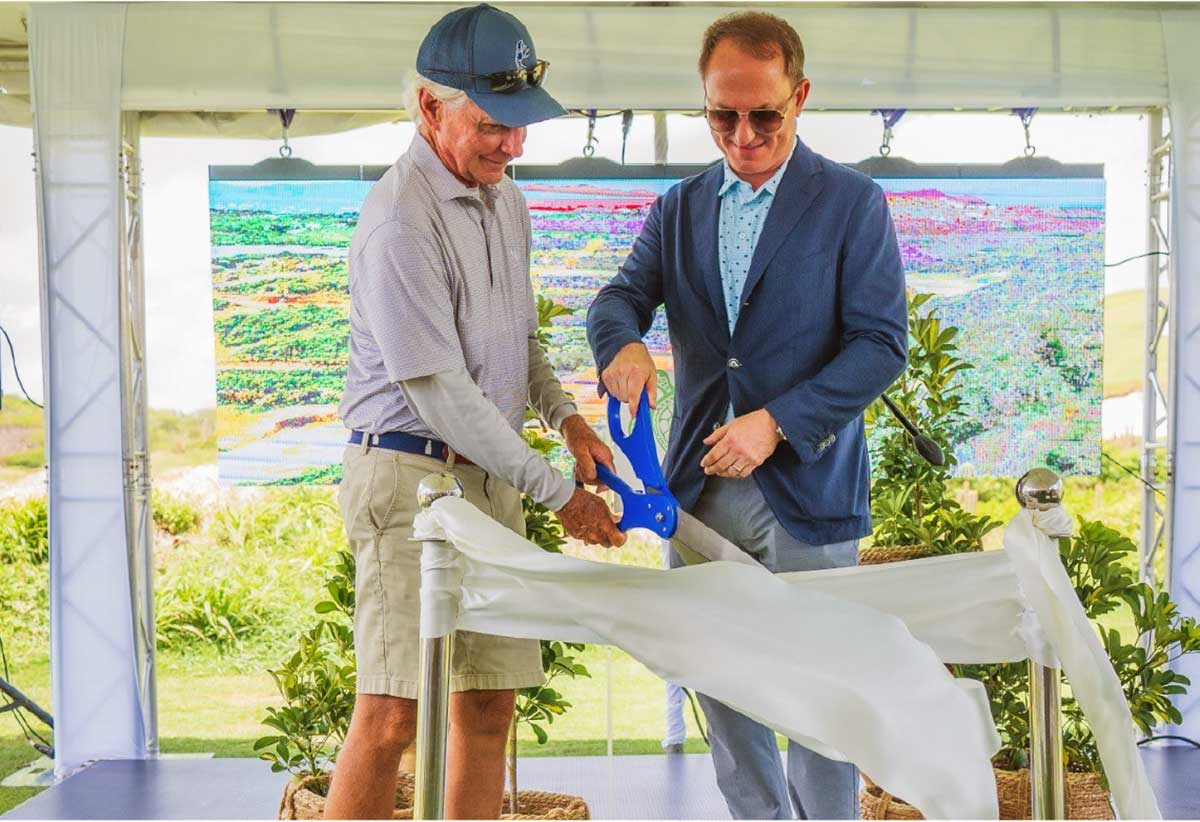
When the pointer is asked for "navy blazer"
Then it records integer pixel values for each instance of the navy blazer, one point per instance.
(821, 333)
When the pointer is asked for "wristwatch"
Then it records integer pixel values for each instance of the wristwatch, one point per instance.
(779, 432)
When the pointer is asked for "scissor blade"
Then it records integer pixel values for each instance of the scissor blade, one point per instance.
(694, 535)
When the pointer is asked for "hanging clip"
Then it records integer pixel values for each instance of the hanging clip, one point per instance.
(286, 115)
(1026, 115)
(588, 147)
(890, 117)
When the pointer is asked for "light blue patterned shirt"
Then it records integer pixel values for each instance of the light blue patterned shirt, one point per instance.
(743, 214)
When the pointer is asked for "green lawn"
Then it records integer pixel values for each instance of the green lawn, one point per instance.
(1124, 321)
(220, 713)
(176, 439)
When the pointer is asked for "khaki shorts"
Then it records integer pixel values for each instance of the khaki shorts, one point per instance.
(378, 499)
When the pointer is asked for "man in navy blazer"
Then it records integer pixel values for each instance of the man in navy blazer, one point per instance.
(782, 283)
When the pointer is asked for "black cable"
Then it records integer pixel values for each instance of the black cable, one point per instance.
(45, 748)
(1138, 257)
(13, 353)
(1189, 741)
(1132, 473)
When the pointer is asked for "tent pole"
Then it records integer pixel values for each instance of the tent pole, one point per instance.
(1152, 542)
(437, 647)
(135, 444)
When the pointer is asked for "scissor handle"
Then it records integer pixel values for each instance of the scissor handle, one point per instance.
(655, 512)
(638, 444)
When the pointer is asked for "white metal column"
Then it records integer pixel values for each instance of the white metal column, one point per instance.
(1154, 516)
(1181, 33)
(76, 69)
(139, 522)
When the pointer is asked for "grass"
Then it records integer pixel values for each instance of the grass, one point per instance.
(176, 439)
(221, 713)
(1124, 324)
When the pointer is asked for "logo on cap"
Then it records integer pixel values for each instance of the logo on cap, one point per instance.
(523, 54)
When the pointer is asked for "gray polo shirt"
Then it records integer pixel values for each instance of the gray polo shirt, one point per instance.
(439, 279)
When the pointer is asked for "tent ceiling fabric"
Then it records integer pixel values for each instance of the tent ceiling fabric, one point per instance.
(356, 56)
(217, 65)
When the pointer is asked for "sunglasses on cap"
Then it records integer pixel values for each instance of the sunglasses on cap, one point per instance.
(762, 120)
(504, 82)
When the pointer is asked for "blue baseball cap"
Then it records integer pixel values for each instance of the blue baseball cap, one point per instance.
(480, 49)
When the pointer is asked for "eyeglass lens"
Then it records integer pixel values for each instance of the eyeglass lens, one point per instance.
(764, 121)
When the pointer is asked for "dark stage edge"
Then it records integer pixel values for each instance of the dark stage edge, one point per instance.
(680, 786)
(626, 787)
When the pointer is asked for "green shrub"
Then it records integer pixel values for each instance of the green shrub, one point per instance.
(173, 515)
(255, 577)
(1097, 561)
(25, 610)
(24, 535)
(911, 502)
(317, 684)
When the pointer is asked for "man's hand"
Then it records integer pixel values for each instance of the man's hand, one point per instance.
(629, 372)
(587, 518)
(741, 445)
(586, 448)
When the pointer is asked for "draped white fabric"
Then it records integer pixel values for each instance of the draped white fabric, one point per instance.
(1094, 684)
(93, 675)
(1181, 33)
(848, 661)
(843, 678)
(353, 56)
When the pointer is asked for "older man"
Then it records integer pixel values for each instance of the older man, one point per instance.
(784, 294)
(444, 360)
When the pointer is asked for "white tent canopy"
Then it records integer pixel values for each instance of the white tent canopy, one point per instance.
(213, 68)
(353, 58)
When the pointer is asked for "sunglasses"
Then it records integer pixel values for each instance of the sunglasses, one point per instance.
(762, 120)
(503, 82)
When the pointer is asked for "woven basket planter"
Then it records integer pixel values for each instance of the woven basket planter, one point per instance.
(1086, 798)
(300, 801)
(882, 554)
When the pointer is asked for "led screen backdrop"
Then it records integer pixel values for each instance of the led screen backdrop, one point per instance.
(1015, 261)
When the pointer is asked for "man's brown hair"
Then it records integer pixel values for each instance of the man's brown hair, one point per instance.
(760, 35)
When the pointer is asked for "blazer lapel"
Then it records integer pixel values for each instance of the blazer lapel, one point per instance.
(707, 224)
(799, 187)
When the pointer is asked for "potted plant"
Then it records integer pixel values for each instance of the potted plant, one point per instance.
(1099, 561)
(913, 512)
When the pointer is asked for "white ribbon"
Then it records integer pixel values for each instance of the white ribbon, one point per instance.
(837, 676)
(846, 661)
(441, 579)
(1030, 541)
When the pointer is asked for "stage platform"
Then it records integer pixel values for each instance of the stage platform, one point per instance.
(678, 786)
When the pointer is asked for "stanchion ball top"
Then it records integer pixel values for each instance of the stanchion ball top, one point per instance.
(436, 486)
(1040, 489)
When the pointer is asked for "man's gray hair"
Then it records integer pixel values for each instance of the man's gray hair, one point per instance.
(452, 97)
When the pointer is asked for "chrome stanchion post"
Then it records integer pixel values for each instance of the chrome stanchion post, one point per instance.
(433, 685)
(1040, 490)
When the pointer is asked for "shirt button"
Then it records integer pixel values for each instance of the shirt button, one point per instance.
(733, 363)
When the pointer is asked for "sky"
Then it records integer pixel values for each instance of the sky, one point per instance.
(180, 355)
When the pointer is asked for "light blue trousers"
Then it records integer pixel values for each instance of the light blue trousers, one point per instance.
(750, 773)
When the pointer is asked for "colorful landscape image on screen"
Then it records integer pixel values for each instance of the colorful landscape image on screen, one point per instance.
(1016, 263)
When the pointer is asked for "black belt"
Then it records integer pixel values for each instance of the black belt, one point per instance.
(409, 444)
